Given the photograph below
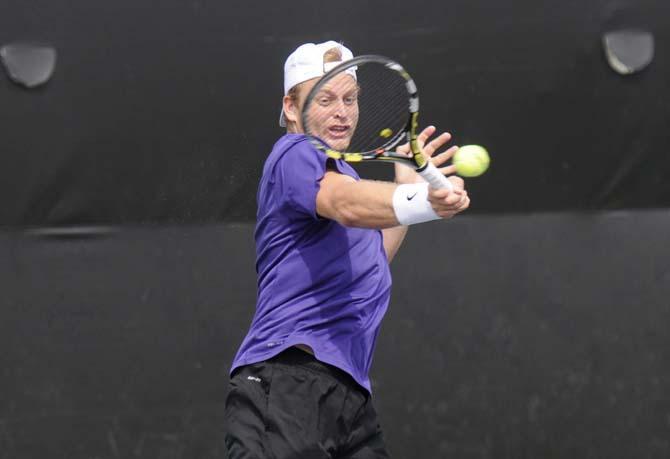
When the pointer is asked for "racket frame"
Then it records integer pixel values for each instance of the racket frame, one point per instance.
(386, 152)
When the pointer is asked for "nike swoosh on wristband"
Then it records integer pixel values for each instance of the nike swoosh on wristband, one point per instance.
(409, 198)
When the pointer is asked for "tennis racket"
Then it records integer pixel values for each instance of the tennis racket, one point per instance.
(362, 110)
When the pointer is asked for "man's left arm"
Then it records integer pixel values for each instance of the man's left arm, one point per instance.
(393, 237)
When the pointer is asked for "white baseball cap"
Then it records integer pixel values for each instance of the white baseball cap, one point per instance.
(306, 62)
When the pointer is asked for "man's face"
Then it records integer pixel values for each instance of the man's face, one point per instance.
(333, 113)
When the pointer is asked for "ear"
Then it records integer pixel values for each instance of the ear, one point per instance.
(291, 110)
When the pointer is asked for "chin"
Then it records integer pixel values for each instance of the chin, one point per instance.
(340, 144)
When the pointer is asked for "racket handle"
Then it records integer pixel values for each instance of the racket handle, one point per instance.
(435, 178)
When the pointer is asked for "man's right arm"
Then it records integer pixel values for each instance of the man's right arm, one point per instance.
(369, 204)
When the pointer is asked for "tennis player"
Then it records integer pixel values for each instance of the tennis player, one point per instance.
(299, 384)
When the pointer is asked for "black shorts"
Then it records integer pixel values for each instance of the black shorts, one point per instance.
(293, 406)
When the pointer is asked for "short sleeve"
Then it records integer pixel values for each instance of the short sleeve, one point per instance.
(298, 173)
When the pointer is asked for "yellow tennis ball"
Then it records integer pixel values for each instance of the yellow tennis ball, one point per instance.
(385, 133)
(471, 160)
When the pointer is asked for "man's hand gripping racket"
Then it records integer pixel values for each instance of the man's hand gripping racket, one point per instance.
(445, 202)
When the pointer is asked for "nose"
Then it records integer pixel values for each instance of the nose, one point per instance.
(341, 109)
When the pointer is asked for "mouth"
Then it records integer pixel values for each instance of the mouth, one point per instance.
(339, 131)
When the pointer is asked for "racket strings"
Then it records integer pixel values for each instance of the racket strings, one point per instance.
(379, 111)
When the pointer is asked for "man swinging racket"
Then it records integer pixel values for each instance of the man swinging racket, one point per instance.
(299, 384)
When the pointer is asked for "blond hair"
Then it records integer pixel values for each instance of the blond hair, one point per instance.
(331, 55)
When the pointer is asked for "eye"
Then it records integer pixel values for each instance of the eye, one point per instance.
(323, 100)
(350, 100)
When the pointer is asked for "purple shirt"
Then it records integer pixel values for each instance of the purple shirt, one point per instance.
(319, 283)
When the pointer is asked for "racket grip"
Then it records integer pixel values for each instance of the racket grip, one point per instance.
(435, 178)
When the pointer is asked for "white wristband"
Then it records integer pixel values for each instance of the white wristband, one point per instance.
(411, 205)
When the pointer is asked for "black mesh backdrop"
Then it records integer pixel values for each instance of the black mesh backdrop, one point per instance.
(165, 113)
